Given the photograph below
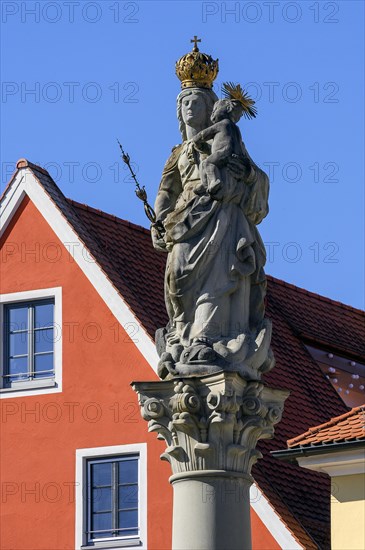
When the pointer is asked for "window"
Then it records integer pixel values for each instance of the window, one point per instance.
(30, 342)
(111, 497)
(346, 375)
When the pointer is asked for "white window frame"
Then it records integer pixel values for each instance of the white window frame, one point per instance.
(82, 455)
(35, 387)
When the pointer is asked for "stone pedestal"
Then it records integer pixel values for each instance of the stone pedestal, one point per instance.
(211, 426)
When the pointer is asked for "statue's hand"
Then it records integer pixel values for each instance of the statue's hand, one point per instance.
(198, 144)
(158, 241)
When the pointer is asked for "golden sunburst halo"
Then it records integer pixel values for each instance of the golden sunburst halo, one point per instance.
(236, 93)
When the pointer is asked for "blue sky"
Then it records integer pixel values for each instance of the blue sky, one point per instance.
(78, 74)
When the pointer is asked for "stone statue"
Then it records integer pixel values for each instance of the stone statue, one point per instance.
(211, 197)
(211, 408)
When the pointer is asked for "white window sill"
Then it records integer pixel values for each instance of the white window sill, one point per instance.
(131, 543)
(23, 386)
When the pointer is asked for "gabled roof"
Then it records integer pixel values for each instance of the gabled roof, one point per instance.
(133, 265)
(133, 272)
(344, 428)
(87, 248)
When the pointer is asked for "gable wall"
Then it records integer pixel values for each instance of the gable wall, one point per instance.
(40, 434)
(97, 407)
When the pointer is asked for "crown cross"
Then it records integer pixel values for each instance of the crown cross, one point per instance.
(195, 40)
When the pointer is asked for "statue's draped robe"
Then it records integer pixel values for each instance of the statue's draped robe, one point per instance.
(215, 283)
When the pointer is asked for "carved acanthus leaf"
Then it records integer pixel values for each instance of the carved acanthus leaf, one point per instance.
(211, 423)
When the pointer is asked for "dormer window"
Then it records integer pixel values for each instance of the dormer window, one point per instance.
(346, 375)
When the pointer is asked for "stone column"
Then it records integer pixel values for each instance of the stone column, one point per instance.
(211, 425)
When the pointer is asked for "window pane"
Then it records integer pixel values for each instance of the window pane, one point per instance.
(106, 507)
(43, 340)
(43, 363)
(128, 496)
(18, 343)
(18, 366)
(101, 474)
(128, 471)
(101, 522)
(101, 499)
(18, 318)
(128, 520)
(43, 315)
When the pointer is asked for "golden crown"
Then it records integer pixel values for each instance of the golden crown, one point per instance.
(196, 69)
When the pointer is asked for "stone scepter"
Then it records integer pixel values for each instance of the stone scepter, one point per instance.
(142, 195)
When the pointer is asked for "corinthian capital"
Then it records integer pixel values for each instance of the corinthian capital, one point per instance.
(211, 423)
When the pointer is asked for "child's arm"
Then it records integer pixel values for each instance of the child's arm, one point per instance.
(207, 133)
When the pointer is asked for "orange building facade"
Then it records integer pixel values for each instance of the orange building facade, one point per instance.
(53, 429)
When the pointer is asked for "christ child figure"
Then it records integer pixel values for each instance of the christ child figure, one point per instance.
(225, 135)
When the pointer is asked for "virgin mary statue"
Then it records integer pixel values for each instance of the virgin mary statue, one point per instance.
(215, 283)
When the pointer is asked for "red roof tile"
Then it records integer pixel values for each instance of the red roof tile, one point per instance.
(346, 427)
(127, 257)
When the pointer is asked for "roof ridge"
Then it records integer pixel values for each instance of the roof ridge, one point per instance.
(108, 216)
(25, 163)
(332, 422)
(314, 294)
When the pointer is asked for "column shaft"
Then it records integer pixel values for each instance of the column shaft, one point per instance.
(211, 512)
